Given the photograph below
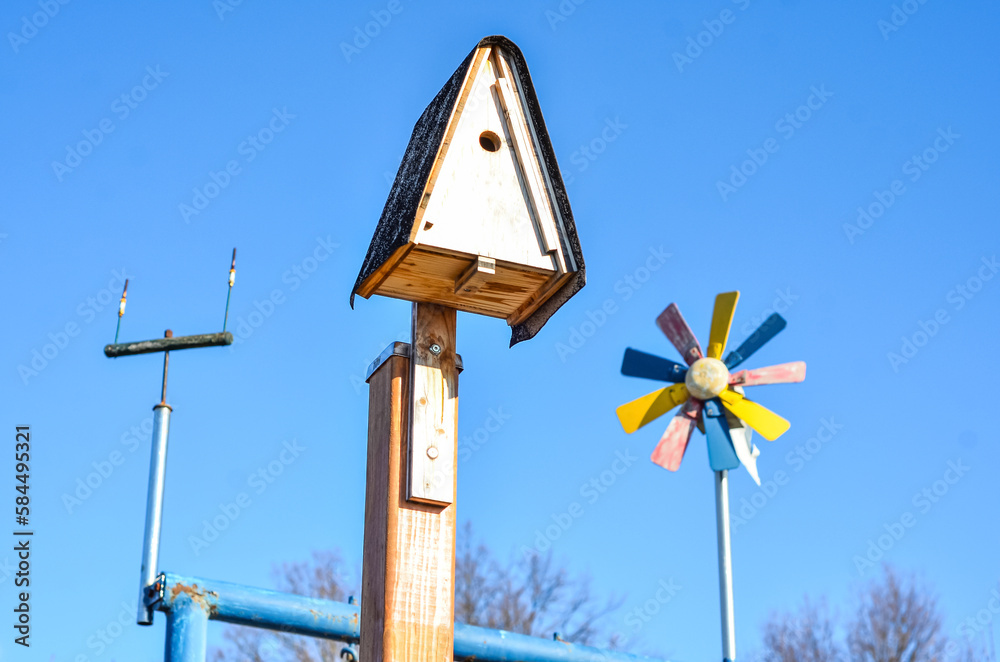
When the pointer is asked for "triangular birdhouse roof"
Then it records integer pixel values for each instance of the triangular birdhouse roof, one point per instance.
(478, 218)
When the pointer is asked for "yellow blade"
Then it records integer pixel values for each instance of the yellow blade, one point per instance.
(633, 415)
(722, 319)
(763, 420)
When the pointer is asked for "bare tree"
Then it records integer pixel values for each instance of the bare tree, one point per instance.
(803, 637)
(896, 621)
(321, 577)
(531, 595)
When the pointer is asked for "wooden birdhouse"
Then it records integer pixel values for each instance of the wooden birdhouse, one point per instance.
(478, 218)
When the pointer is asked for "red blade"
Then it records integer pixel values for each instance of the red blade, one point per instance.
(677, 331)
(786, 373)
(669, 452)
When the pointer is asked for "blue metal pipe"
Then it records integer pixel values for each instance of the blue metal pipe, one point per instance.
(187, 629)
(285, 612)
(154, 508)
(486, 645)
(327, 619)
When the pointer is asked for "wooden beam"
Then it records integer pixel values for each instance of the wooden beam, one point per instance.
(476, 275)
(168, 344)
(433, 443)
(407, 613)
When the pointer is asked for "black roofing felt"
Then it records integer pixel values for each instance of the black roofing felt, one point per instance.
(396, 222)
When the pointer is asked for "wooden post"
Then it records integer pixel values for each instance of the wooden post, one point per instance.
(407, 610)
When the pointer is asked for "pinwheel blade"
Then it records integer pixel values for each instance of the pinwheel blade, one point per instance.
(633, 415)
(721, 453)
(649, 366)
(763, 420)
(785, 373)
(670, 451)
(677, 331)
(745, 450)
(769, 329)
(722, 320)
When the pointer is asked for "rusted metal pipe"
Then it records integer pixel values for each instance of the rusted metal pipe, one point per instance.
(295, 614)
(187, 630)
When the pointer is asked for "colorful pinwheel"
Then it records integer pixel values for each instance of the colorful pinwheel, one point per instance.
(711, 397)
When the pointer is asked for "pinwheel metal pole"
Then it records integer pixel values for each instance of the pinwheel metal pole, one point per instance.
(725, 566)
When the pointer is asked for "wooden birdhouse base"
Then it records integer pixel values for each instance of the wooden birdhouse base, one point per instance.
(465, 282)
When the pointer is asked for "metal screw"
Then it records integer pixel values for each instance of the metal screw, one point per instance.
(435, 349)
(432, 453)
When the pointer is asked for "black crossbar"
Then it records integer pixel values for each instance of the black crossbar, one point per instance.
(169, 344)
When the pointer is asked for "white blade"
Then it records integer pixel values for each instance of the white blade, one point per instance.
(745, 449)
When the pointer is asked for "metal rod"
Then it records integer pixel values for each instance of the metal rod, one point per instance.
(225, 321)
(169, 344)
(187, 631)
(232, 279)
(154, 509)
(725, 566)
(166, 364)
(295, 614)
(121, 310)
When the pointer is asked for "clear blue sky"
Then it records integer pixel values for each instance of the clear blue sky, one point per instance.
(879, 97)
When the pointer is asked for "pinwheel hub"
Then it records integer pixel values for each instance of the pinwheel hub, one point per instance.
(706, 378)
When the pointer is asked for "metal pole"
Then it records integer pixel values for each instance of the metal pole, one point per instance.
(187, 632)
(154, 497)
(339, 621)
(725, 566)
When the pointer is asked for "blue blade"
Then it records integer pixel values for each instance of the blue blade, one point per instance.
(721, 454)
(641, 364)
(769, 329)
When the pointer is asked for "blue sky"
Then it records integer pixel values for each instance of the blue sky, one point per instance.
(840, 98)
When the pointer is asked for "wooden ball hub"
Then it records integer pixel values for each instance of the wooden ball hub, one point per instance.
(706, 378)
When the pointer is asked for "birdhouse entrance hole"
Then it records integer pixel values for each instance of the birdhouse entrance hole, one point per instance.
(489, 141)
